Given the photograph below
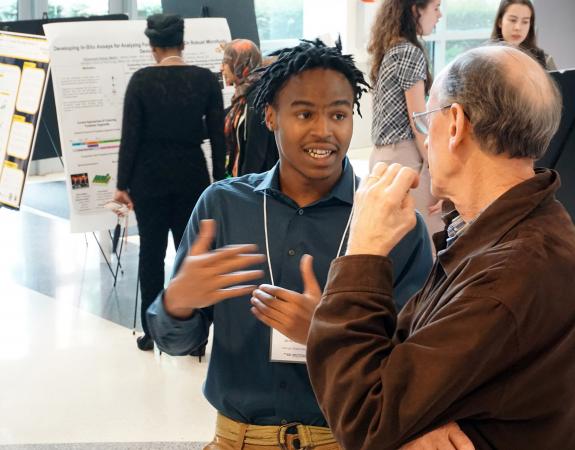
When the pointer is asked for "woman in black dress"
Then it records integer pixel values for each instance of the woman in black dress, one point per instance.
(161, 169)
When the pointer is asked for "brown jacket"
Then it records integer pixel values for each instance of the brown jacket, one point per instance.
(488, 342)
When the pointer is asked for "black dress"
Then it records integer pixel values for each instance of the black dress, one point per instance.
(167, 112)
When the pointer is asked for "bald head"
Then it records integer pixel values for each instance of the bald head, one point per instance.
(513, 105)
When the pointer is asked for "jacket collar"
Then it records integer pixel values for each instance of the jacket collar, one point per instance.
(497, 219)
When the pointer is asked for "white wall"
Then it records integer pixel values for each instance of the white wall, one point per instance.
(556, 30)
(359, 18)
(328, 18)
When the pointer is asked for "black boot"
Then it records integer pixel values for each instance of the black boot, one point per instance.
(145, 342)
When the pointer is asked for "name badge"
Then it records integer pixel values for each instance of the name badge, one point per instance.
(283, 349)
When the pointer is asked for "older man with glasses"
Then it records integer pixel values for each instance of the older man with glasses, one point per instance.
(488, 342)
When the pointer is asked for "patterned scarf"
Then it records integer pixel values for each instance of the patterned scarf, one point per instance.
(242, 57)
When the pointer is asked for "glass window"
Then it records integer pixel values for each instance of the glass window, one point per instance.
(74, 8)
(279, 20)
(469, 14)
(430, 53)
(148, 7)
(8, 10)
(454, 48)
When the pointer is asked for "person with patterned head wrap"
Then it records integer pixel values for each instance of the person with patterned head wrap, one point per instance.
(250, 146)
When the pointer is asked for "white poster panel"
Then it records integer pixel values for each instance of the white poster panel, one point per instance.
(24, 63)
(92, 63)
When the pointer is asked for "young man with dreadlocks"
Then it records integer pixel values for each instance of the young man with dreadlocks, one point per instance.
(300, 207)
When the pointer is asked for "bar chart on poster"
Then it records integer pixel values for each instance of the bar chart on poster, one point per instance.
(24, 62)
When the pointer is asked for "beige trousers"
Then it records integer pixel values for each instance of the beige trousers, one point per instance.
(220, 443)
(406, 154)
(233, 435)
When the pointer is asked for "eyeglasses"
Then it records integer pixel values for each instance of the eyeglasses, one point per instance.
(421, 120)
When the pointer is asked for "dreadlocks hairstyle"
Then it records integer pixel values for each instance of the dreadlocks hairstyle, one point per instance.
(307, 55)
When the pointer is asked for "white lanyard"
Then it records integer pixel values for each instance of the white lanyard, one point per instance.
(266, 231)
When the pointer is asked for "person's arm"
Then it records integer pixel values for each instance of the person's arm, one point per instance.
(215, 126)
(179, 319)
(133, 124)
(411, 73)
(415, 100)
(396, 392)
(172, 335)
(412, 260)
(397, 389)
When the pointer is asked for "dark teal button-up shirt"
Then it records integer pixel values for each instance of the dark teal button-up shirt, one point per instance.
(242, 383)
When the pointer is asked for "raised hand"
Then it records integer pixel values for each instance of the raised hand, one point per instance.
(383, 211)
(287, 311)
(205, 276)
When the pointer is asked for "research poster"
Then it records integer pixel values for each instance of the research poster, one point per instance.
(91, 65)
(24, 62)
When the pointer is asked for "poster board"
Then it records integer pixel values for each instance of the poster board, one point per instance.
(24, 64)
(91, 65)
(47, 141)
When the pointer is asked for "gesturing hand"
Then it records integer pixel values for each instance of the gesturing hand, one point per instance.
(383, 211)
(287, 311)
(205, 276)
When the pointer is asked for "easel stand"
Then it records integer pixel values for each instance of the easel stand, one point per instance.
(113, 270)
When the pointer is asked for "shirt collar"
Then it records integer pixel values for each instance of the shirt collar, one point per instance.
(341, 191)
(456, 229)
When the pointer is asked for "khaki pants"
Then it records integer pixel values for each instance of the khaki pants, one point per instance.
(232, 435)
(406, 154)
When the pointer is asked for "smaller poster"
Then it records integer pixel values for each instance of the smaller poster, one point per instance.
(24, 63)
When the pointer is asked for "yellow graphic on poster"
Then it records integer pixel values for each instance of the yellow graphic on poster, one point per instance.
(23, 68)
(20, 140)
(31, 89)
(9, 82)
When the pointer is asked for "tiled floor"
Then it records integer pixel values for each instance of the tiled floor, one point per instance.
(70, 372)
(67, 374)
